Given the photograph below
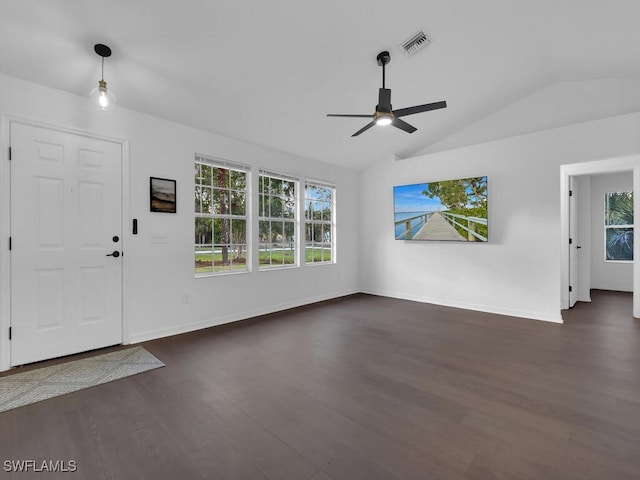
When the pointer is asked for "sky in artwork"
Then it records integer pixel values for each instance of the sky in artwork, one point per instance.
(409, 198)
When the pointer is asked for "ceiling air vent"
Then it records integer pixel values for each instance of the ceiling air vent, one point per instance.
(415, 43)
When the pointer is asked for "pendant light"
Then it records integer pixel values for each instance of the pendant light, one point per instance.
(101, 96)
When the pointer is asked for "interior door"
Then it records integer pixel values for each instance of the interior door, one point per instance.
(573, 243)
(66, 263)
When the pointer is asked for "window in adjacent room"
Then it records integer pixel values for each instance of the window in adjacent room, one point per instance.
(220, 217)
(618, 226)
(277, 220)
(319, 206)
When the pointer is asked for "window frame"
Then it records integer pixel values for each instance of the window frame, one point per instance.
(616, 226)
(331, 223)
(231, 217)
(263, 217)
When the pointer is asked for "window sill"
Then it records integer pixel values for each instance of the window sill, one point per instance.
(283, 267)
(220, 274)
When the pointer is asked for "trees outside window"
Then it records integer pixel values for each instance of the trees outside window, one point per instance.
(223, 210)
(319, 206)
(618, 226)
(277, 220)
(220, 216)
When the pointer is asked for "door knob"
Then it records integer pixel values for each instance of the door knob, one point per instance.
(114, 254)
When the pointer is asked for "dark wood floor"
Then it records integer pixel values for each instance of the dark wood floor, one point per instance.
(361, 387)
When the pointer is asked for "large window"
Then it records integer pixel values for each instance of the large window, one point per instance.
(277, 218)
(618, 226)
(220, 217)
(319, 206)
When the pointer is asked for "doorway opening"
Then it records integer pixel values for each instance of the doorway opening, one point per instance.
(575, 182)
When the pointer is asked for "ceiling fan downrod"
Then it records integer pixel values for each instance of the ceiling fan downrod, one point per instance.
(383, 59)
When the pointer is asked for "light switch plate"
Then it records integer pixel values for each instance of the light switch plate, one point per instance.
(161, 238)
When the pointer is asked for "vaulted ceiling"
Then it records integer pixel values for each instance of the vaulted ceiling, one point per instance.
(268, 72)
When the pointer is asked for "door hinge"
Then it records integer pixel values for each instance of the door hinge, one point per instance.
(571, 193)
(9, 333)
(9, 153)
(10, 243)
(570, 241)
(570, 288)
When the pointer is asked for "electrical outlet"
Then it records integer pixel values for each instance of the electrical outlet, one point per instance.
(185, 298)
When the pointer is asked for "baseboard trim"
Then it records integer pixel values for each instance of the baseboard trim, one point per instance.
(609, 289)
(213, 322)
(190, 327)
(470, 306)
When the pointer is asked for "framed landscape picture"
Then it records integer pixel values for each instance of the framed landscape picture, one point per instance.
(454, 210)
(162, 193)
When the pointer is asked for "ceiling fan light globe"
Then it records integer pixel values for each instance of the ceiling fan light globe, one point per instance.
(384, 119)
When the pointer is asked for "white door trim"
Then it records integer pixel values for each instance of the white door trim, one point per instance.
(5, 227)
(573, 234)
(621, 164)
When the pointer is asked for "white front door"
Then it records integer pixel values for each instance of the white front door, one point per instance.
(66, 219)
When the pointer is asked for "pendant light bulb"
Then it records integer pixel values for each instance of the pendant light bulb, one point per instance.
(101, 96)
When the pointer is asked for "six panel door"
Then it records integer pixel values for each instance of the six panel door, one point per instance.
(66, 221)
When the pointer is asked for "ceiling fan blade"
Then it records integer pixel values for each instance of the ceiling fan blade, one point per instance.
(355, 115)
(402, 125)
(403, 112)
(384, 100)
(364, 129)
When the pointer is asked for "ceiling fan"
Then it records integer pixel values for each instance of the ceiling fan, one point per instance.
(384, 115)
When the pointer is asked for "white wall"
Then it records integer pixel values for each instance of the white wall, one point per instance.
(558, 104)
(518, 271)
(607, 275)
(159, 275)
